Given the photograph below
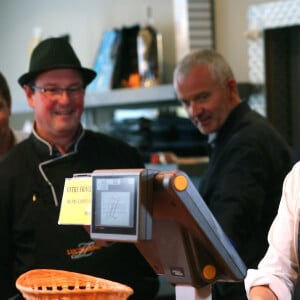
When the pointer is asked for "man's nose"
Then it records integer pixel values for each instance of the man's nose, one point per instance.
(64, 97)
(194, 109)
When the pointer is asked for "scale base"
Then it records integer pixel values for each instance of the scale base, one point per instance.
(186, 292)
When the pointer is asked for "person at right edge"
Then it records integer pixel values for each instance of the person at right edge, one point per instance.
(248, 161)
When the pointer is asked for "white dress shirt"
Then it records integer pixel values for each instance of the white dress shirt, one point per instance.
(279, 268)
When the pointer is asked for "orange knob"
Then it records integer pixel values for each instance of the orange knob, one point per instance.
(180, 183)
(209, 272)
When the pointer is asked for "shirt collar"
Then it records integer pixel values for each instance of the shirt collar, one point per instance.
(212, 137)
(52, 151)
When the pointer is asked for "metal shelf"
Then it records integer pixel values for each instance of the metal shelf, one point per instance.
(137, 97)
(132, 97)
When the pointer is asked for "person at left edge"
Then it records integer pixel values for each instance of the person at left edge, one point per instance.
(32, 178)
(9, 137)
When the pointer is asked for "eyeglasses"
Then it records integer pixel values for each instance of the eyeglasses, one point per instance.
(53, 92)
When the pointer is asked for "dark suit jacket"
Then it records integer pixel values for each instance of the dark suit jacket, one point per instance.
(242, 186)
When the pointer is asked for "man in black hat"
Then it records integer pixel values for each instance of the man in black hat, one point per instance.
(32, 179)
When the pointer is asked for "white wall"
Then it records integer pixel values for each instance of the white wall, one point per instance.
(86, 20)
(231, 24)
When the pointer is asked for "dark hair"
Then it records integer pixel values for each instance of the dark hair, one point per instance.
(4, 90)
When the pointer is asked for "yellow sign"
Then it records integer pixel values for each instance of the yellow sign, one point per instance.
(76, 203)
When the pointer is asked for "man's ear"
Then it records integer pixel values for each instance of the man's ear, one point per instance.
(232, 87)
(29, 95)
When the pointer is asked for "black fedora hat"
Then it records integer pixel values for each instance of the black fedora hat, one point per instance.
(54, 53)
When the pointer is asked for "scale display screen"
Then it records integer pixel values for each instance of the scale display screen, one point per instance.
(115, 204)
(114, 210)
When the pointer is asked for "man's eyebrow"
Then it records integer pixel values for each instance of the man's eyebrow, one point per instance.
(194, 97)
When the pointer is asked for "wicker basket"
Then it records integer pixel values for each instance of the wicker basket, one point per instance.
(47, 284)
